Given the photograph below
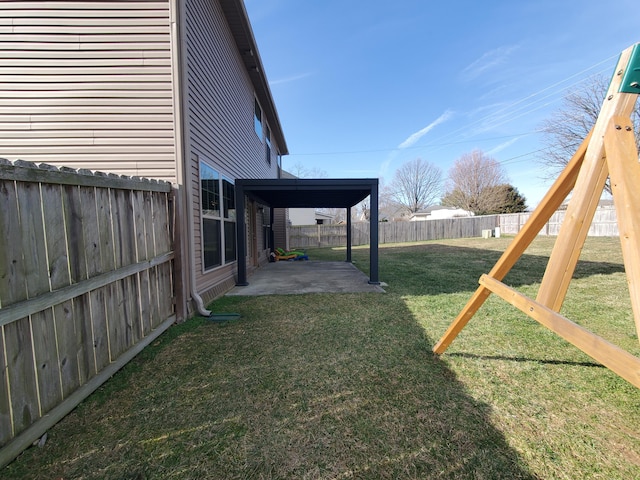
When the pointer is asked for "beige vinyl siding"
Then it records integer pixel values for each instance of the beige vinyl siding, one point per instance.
(88, 85)
(280, 223)
(220, 104)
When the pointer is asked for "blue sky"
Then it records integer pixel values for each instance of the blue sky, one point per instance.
(363, 86)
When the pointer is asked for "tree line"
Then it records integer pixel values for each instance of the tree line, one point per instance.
(475, 183)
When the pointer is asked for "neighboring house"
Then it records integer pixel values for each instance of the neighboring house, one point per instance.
(309, 216)
(438, 213)
(173, 90)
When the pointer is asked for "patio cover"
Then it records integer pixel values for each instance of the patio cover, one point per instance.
(308, 193)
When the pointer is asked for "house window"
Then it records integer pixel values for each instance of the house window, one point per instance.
(211, 243)
(257, 119)
(267, 136)
(229, 219)
(218, 218)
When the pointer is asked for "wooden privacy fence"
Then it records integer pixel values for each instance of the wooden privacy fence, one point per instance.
(604, 224)
(391, 232)
(86, 282)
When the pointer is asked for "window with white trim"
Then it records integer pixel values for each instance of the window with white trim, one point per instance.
(217, 196)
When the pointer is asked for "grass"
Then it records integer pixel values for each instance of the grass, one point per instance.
(345, 386)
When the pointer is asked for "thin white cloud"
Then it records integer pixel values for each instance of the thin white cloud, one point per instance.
(293, 78)
(414, 137)
(502, 146)
(489, 60)
(410, 141)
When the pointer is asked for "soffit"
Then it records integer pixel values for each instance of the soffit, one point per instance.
(308, 193)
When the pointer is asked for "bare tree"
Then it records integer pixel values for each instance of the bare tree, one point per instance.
(567, 127)
(300, 171)
(337, 214)
(472, 183)
(416, 185)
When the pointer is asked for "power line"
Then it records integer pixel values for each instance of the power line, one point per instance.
(354, 152)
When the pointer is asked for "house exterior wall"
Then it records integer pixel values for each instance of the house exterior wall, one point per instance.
(302, 216)
(439, 214)
(88, 85)
(220, 123)
(145, 88)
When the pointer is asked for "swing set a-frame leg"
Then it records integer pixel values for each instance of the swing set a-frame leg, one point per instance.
(547, 207)
(624, 171)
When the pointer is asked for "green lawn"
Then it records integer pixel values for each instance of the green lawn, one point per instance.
(345, 386)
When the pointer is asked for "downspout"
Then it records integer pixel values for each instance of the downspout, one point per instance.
(192, 259)
(183, 140)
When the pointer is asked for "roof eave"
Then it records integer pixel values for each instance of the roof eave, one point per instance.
(238, 21)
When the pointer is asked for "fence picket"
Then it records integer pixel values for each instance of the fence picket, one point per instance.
(46, 360)
(148, 221)
(161, 223)
(83, 339)
(105, 229)
(22, 377)
(131, 305)
(54, 224)
(154, 301)
(12, 281)
(164, 273)
(137, 202)
(141, 224)
(75, 238)
(67, 347)
(6, 430)
(12, 289)
(165, 298)
(124, 236)
(115, 316)
(99, 328)
(144, 302)
(90, 231)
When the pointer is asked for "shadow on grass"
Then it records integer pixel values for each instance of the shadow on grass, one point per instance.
(323, 387)
(432, 269)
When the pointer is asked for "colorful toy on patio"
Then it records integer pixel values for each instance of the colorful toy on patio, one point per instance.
(280, 254)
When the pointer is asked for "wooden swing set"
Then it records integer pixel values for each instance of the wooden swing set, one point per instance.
(608, 151)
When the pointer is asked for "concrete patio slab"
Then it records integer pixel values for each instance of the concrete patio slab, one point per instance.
(298, 277)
